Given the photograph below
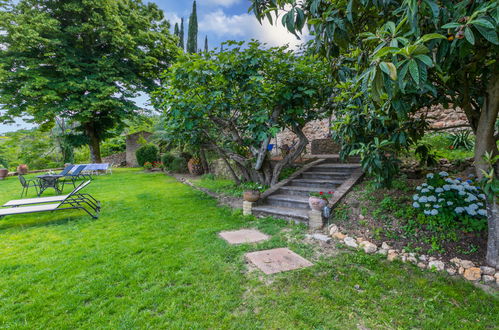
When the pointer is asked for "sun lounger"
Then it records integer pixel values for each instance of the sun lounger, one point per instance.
(70, 202)
(76, 196)
(75, 175)
(66, 170)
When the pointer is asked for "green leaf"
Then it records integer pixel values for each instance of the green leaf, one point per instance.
(431, 36)
(490, 35)
(390, 69)
(414, 70)
(434, 7)
(451, 25)
(425, 59)
(484, 23)
(385, 50)
(469, 35)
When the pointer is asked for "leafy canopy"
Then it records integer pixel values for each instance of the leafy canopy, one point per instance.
(237, 99)
(395, 57)
(81, 60)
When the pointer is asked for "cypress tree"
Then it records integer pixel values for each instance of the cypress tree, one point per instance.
(181, 34)
(206, 44)
(192, 34)
(176, 31)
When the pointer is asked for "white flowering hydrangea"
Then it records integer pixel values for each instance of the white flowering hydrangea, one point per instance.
(441, 194)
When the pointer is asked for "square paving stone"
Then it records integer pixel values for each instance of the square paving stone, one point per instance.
(277, 260)
(243, 236)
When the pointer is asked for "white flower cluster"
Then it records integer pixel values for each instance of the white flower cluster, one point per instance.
(442, 194)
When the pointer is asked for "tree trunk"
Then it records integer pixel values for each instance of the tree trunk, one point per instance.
(486, 142)
(492, 257)
(291, 156)
(94, 145)
(204, 162)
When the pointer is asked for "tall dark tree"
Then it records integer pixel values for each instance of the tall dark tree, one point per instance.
(181, 35)
(176, 32)
(192, 34)
(82, 61)
(206, 44)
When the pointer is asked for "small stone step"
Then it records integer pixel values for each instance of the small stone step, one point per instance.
(317, 183)
(291, 201)
(339, 165)
(325, 175)
(300, 215)
(299, 190)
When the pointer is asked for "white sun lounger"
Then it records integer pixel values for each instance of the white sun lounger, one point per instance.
(70, 202)
(51, 199)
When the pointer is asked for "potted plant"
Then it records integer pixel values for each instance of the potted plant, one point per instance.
(194, 165)
(3, 172)
(251, 195)
(318, 200)
(22, 169)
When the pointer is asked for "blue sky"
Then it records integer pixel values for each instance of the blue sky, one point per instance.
(220, 20)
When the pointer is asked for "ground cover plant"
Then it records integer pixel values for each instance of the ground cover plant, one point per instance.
(439, 215)
(153, 259)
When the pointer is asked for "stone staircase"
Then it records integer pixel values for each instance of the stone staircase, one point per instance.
(289, 199)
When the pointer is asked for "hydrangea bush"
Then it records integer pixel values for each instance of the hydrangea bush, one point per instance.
(453, 201)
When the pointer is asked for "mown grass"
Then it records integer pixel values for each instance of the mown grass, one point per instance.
(153, 260)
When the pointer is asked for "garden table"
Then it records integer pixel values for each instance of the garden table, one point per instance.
(49, 181)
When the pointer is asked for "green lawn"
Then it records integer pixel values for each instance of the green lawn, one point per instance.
(153, 260)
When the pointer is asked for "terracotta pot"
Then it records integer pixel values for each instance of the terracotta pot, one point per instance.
(22, 169)
(251, 195)
(195, 167)
(316, 203)
(3, 173)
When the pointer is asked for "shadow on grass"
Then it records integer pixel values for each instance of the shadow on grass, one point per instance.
(4, 226)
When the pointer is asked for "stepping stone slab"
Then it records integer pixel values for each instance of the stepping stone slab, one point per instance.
(243, 236)
(277, 260)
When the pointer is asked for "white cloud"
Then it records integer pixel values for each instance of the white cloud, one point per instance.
(223, 3)
(172, 18)
(246, 26)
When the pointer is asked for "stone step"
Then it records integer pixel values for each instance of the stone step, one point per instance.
(298, 190)
(337, 167)
(317, 183)
(344, 171)
(326, 176)
(291, 201)
(300, 215)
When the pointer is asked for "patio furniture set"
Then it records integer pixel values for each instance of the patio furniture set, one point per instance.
(74, 200)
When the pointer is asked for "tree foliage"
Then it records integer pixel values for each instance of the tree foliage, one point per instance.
(192, 33)
(236, 100)
(402, 55)
(81, 61)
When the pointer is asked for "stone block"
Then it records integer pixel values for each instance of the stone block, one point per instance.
(315, 220)
(277, 260)
(243, 236)
(247, 207)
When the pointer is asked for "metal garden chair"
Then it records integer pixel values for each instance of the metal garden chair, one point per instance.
(26, 184)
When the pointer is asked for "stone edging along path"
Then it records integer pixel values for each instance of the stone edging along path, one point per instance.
(465, 268)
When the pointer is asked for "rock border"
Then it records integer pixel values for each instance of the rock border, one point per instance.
(457, 267)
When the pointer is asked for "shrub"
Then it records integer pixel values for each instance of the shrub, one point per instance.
(147, 165)
(177, 165)
(167, 159)
(452, 202)
(461, 139)
(147, 153)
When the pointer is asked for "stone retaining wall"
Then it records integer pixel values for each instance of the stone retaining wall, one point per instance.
(118, 159)
(438, 118)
